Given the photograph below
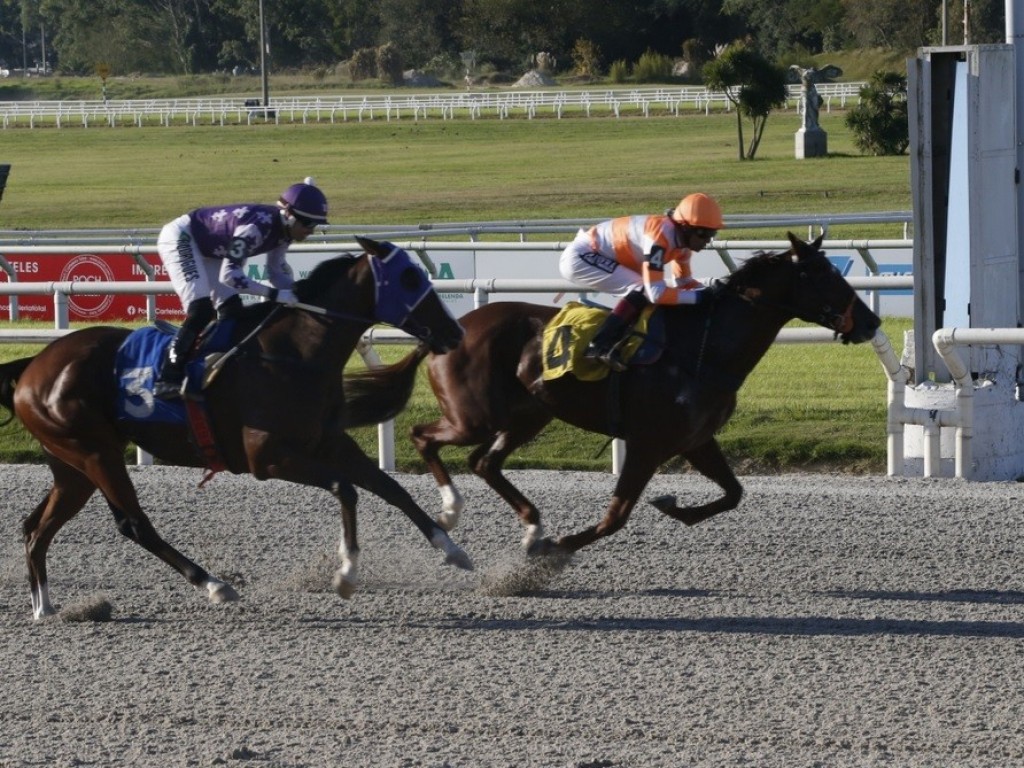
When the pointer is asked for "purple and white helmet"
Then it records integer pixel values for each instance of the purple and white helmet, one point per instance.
(305, 201)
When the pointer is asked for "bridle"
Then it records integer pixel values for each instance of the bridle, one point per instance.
(840, 321)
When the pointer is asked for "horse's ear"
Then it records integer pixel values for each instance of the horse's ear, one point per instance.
(802, 248)
(368, 245)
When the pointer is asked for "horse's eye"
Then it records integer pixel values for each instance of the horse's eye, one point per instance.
(411, 279)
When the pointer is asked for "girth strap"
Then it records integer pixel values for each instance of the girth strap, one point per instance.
(203, 438)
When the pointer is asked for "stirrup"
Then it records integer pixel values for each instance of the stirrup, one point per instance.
(609, 357)
(168, 390)
(612, 360)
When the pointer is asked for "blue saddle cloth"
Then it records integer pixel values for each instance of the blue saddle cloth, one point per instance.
(138, 362)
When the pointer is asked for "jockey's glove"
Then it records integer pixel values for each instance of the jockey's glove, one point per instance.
(284, 296)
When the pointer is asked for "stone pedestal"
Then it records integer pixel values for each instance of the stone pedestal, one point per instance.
(811, 142)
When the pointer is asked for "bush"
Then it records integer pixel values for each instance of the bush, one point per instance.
(363, 64)
(653, 68)
(446, 66)
(586, 58)
(389, 64)
(618, 72)
(879, 124)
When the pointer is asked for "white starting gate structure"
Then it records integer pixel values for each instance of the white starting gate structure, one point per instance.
(952, 413)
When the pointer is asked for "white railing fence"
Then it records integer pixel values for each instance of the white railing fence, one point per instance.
(448, 105)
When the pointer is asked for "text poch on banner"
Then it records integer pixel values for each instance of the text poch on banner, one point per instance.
(72, 268)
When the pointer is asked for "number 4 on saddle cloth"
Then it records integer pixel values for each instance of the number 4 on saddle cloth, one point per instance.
(567, 335)
(136, 365)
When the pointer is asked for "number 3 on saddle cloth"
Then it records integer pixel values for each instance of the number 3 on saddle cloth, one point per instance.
(136, 365)
(567, 335)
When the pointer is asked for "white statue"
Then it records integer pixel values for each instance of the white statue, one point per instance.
(810, 98)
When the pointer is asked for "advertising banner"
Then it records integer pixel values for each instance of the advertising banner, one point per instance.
(73, 268)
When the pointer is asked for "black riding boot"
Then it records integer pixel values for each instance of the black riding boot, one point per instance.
(172, 371)
(606, 345)
(230, 307)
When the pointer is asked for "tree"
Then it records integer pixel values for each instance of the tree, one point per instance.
(126, 34)
(986, 22)
(786, 25)
(900, 26)
(879, 122)
(753, 84)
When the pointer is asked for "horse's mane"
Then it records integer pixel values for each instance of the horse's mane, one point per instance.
(307, 290)
(753, 269)
(324, 275)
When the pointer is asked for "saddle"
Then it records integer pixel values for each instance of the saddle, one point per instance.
(570, 331)
(138, 361)
(136, 365)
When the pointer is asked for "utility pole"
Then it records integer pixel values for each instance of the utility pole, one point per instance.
(263, 64)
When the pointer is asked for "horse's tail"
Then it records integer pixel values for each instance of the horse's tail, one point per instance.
(9, 373)
(379, 394)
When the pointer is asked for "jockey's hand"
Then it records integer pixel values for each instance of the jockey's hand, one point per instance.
(285, 296)
(655, 291)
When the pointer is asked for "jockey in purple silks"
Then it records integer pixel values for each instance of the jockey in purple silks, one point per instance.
(205, 252)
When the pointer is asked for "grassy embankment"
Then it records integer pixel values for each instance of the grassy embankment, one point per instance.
(803, 406)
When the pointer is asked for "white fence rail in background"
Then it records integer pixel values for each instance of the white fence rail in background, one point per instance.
(392, 106)
(342, 234)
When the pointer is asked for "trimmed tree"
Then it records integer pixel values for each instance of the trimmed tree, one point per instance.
(753, 84)
(879, 123)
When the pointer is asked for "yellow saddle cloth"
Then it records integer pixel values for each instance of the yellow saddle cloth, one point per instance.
(566, 338)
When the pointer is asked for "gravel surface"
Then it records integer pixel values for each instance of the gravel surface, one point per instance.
(829, 621)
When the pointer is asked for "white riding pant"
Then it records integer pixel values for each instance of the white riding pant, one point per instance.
(193, 275)
(582, 265)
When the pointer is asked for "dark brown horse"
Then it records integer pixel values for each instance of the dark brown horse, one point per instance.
(278, 408)
(493, 396)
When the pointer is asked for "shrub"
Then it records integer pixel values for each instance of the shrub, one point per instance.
(879, 123)
(363, 64)
(445, 66)
(586, 58)
(618, 72)
(653, 68)
(389, 64)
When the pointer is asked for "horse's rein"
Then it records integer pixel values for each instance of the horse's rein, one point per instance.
(217, 364)
(330, 314)
(313, 309)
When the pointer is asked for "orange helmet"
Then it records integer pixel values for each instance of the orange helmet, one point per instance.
(698, 210)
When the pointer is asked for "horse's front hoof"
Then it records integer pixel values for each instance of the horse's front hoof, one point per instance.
(343, 586)
(453, 554)
(664, 503)
(221, 592)
(459, 559)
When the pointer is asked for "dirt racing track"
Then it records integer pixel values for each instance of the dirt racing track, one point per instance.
(830, 621)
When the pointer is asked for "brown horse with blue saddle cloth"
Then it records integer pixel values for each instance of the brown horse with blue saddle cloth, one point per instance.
(278, 408)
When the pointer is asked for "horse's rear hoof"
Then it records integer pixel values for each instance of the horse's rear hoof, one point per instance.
(221, 592)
